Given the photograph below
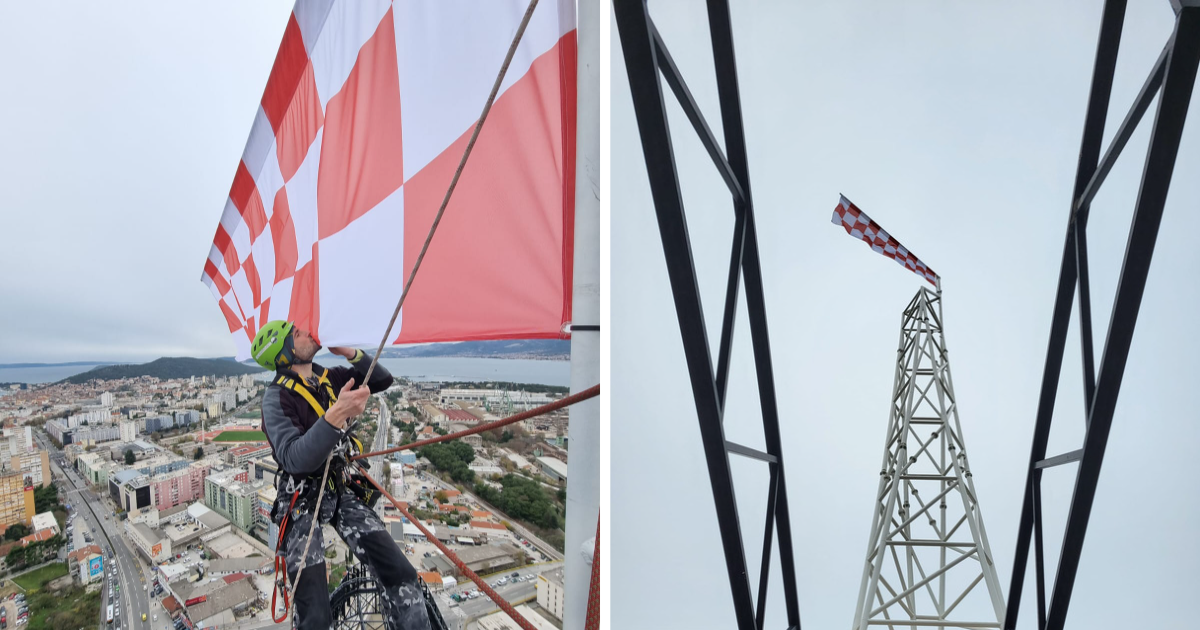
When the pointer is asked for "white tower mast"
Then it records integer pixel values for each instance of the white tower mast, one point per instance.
(928, 561)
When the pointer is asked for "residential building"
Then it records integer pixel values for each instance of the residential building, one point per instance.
(35, 464)
(59, 432)
(238, 457)
(16, 499)
(550, 592)
(93, 467)
(227, 493)
(106, 399)
(262, 467)
(91, 566)
(157, 423)
(264, 526)
(89, 436)
(161, 464)
(129, 431)
(180, 486)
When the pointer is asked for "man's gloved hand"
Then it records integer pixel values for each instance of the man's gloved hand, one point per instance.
(348, 353)
(350, 404)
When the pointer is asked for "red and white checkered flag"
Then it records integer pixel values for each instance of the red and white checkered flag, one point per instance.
(359, 131)
(860, 226)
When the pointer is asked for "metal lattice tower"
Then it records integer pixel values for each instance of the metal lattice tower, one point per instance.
(356, 603)
(928, 550)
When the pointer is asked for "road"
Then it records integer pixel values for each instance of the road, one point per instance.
(381, 441)
(133, 598)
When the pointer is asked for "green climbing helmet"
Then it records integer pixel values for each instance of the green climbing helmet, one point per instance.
(272, 347)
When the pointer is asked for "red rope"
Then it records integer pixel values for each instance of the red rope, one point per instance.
(590, 392)
(592, 621)
(487, 590)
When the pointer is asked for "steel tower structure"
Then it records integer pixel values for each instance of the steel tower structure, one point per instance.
(928, 549)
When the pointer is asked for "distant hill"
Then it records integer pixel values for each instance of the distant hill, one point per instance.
(67, 364)
(500, 349)
(166, 368)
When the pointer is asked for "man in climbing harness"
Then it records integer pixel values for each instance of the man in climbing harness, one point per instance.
(305, 412)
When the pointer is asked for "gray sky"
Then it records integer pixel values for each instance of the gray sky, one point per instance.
(956, 126)
(124, 124)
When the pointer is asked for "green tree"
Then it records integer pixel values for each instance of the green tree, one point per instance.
(45, 499)
(16, 531)
(199, 452)
(130, 458)
(440, 495)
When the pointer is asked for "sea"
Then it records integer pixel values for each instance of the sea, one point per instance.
(450, 369)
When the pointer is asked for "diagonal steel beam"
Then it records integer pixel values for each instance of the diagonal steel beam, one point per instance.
(1089, 152)
(725, 62)
(633, 24)
(1156, 181)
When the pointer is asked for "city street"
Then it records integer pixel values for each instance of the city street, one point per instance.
(131, 576)
(381, 441)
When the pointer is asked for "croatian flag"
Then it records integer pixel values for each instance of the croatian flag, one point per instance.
(860, 226)
(364, 119)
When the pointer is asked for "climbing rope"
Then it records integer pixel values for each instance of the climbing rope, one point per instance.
(590, 392)
(512, 49)
(592, 620)
(483, 586)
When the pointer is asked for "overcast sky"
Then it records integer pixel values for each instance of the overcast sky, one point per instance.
(957, 127)
(123, 125)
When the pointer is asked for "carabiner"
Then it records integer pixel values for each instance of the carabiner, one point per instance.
(280, 585)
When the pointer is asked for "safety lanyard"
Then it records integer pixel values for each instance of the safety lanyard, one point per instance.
(290, 383)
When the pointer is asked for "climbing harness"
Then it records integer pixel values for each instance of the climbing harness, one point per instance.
(300, 487)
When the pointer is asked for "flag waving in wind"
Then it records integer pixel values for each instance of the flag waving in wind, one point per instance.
(860, 226)
(362, 124)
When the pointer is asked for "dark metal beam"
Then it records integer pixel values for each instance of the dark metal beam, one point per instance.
(1085, 315)
(1125, 131)
(1156, 181)
(670, 72)
(752, 453)
(1059, 460)
(764, 570)
(1039, 556)
(633, 25)
(732, 284)
(1089, 152)
(725, 62)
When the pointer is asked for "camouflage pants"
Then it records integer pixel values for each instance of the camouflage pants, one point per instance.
(367, 537)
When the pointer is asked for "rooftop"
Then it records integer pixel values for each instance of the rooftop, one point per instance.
(125, 475)
(230, 545)
(236, 565)
(232, 595)
(557, 465)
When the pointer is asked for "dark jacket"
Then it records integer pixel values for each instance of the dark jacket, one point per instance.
(299, 439)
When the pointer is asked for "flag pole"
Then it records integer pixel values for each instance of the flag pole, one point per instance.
(583, 486)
